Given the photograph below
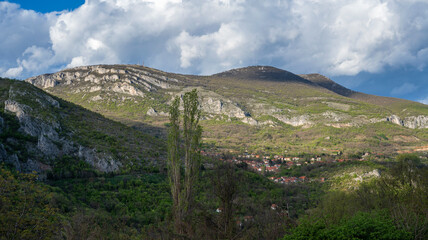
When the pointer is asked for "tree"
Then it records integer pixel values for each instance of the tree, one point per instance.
(374, 225)
(182, 189)
(406, 190)
(225, 181)
(26, 209)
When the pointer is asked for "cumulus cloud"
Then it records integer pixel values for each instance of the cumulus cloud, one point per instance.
(203, 37)
(21, 30)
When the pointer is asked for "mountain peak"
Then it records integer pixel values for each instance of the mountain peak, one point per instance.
(262, 73)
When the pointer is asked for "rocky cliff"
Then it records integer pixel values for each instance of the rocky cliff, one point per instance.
(37, 129)
(38, 118)
(420, 121)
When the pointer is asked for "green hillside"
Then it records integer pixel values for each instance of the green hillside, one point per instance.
(257, 108)
(39, 130)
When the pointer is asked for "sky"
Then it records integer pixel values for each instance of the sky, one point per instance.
(374, 46)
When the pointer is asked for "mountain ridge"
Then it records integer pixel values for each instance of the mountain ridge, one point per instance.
(262, 98)
(247, 73)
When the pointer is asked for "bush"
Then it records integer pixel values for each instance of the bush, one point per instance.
(26, 211)
(375, 225)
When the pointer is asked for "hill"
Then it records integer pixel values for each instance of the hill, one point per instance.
(393, 104)
(40, 132)
(256, 108)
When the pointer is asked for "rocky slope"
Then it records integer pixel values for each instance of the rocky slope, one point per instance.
(37, 129)
(265, 99)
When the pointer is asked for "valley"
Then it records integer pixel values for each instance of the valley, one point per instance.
(281, 155)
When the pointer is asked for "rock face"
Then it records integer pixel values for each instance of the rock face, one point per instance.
(420, 121)
(152, 112)
(45, 81)
(51, 140)
(214, 104)
(126, 89)
(302, 120)
(129, 80)
(335, 117)
(373, 174)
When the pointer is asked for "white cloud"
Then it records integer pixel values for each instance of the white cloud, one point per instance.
(36, 59)
(78, 61)
(13, 72)
(405, 88)
(20, 29)
(331, 37)
(424, 101)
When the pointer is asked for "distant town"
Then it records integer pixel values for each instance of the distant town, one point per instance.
(271, 166)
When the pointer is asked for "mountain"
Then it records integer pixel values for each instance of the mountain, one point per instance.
(394, 104)
(38, 131)
(256, 108)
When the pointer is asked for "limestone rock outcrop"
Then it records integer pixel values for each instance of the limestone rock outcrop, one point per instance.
(51, 140)
(413, 122)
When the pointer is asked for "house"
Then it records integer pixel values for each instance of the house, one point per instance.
(287, 180)
(272, 169)
(335, 152)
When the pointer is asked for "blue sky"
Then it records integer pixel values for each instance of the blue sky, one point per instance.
(46, 6)
(374, 46)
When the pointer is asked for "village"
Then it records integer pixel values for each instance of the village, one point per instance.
(271, 166)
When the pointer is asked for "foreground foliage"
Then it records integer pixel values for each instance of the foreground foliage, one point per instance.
(26, 209)
(375, 225)
(230, 203)
(394, 206)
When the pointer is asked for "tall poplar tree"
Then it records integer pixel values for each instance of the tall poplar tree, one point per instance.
(188, 140)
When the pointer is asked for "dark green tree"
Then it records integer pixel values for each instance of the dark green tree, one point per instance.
(191, 132)
(374, 225)
(225, 181)
(26, 209)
